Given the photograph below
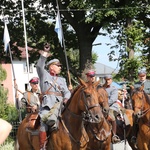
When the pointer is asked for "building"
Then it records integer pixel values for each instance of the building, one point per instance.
(102, 70)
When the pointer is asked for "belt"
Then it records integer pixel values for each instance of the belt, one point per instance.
(53, 93)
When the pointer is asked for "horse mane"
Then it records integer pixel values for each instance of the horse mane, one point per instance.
(147, 97)
(74, 91)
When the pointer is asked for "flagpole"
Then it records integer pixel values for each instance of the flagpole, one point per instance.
(68, 72)
(25, 36)
(7, 46)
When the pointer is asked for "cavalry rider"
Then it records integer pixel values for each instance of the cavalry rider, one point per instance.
(30, 99)
(112, 100)
(142, 81)
(90, 76)
(55, 92)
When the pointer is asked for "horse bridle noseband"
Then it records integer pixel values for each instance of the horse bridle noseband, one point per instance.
(143, 112)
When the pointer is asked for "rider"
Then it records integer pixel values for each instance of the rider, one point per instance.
(90, 76)
(54, 90)
(112, 100)
(142, 81)
(30, 99)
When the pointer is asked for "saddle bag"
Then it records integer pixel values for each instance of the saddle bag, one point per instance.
(33, 121)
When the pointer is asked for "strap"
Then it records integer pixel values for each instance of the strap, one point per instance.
(51, 85)
(28, 97)
(53, 93)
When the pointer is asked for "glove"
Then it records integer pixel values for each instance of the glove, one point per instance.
(65, 100)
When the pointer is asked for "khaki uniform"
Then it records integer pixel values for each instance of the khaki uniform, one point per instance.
(30, 99)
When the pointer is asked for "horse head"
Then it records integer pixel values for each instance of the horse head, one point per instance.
(140, 101)
(87, 103)
(103, 99)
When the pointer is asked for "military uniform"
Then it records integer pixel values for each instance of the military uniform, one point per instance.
(112, 98)
(146, 85)
(30, 99)
(114, 106)
(53, 88)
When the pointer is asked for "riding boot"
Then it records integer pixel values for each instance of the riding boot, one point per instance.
(134, 130)
(115, 138)
(43, 140)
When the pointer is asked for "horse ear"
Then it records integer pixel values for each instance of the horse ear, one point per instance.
(96, 83)
(142, 87)
(83, 83)
(132, 87)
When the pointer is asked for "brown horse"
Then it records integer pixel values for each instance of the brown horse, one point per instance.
(100, 133)
(71, 134)
(141, 105)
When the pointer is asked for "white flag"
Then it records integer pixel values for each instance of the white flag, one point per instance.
(58, 28)
(6, 38)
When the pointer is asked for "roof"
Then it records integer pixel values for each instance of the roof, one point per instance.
(102, 69)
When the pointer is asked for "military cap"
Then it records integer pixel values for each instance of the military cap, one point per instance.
(90, 73)
(34, 80)
(54, 61)
(142, 72)
(109, 76)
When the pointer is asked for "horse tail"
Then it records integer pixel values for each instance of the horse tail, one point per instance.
(16, 145)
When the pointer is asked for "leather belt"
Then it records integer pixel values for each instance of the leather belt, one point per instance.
(53, 93)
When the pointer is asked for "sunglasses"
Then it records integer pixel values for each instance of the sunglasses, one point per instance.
(57, 65)
(142, 76)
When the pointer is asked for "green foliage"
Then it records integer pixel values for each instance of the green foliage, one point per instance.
(7, 111)
(3, 73)
(129, 69)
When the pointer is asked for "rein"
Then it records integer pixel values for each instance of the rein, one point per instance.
(143, 112)
(101, 133)
(78, 142)
(83, 116)
(87, 115)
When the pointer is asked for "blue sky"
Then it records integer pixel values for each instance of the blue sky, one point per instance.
(102, 51)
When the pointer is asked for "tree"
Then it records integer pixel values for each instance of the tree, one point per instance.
(85, 17)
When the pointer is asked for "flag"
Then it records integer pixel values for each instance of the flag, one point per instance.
(58, 28)
(6, 38)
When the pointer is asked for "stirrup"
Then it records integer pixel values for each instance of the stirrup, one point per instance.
(115, 139)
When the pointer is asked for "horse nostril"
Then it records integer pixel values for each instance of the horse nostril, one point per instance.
(104, 110)
(97, 117)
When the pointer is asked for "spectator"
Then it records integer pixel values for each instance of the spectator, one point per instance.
(5, 129)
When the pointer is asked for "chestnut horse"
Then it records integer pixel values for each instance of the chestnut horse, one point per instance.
(71, 135)
(141, 105)
(100, 133)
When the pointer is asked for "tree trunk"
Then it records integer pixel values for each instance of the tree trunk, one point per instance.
(85, 49)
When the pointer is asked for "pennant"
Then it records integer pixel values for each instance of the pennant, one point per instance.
(58, 28)
(6, 38)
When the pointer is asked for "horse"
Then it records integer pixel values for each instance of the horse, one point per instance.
(100, 133)
(141, 105)
(71, 135)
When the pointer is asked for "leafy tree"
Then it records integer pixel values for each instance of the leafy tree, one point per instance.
(86, 19)
(7, 111)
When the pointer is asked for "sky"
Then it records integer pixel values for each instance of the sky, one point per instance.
(102, 51)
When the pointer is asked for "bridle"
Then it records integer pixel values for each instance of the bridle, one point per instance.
(141, 108)
(86, 115)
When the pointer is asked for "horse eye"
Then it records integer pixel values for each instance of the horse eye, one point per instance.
(88, 95)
